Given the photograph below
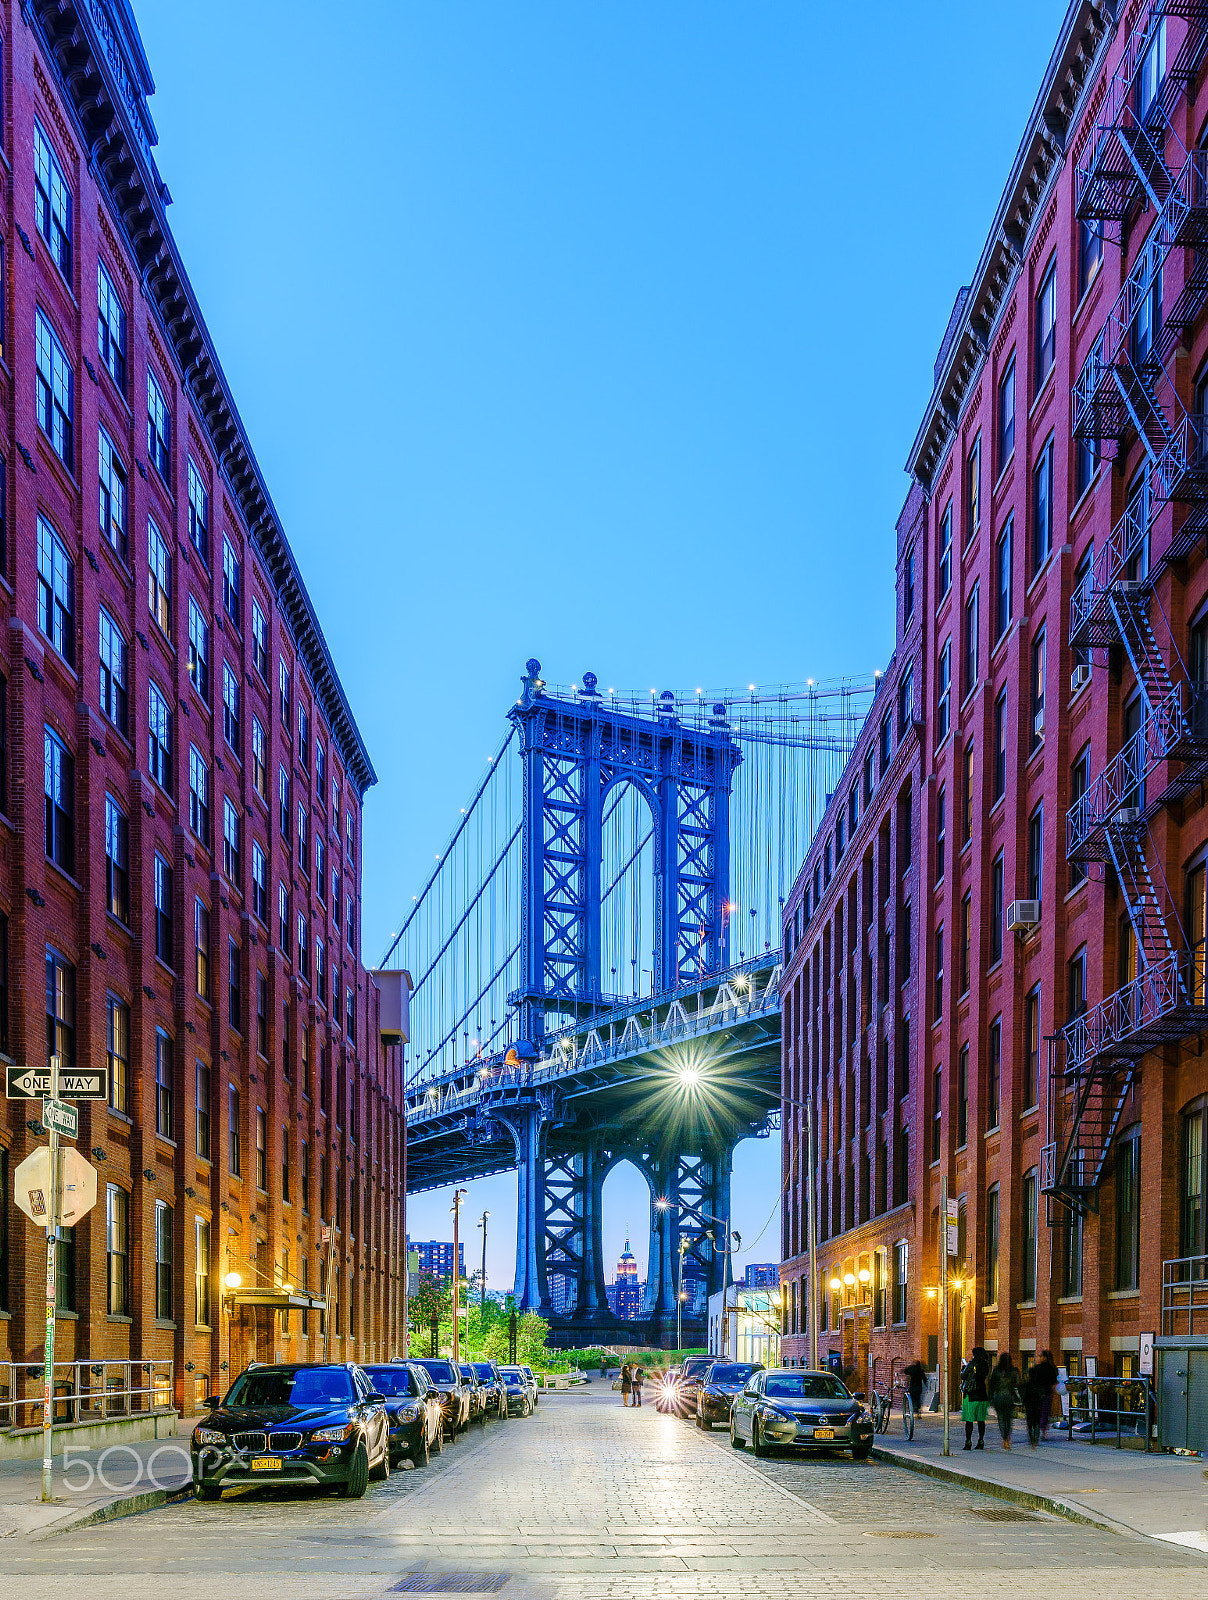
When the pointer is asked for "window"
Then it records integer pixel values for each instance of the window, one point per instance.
(163, 1261)
(113, 499)
(1036, 853)
(234, 987)
(945, 572)
(1128, 1208)
(303, 740)
(201, 942)
(259, 883)
(320, 866)
(285, 1039)
(112, 647)
(230, 839)
(1090, 253)
(199, 651)
(1147, 295)
(937, 1113)
(973, 490)
(117, 860)
(55, 390)
(1031, 1047)
(230, 580)
(304, 1177)
(907, 591)
(261, 1150)
(1038, 673)
(164, 1120)
(60, 1009)
(303, 842)
(336, 880)
(285, 693)
(1003, 596)
(117, 1055)
(283, 917)
(233, 1129)
(994, 1074)
(117, 1250)
(111, 327)
(992, 1245)
(201, 1107)
(1028, 1198)
(1079, 777)
(56, 591)
(285, 1165)
(905, 702)
(967, 796)
(901, 1259)
(159, 430)
(283, 798)
(52, 202)
(320, 972)
(260, 640)
(59, 774)
(159, 579)
(230, 706)
(943, 715)
(1070, 1242)
(972, 612)
(1077, 984)
(1193, 1156)
(262, 1014)
(303, 949)
(163, 911)
(65, 1270)
(320, 771)
(996, 908)
(199, 796)
(939, 972)
(350, 1015)
(201, 1272)
(966, 943)
(1006, 415)
(350, 924)
(159, 739)
(870, 782)
(941, 826)
(1042, 508)
(1086, 464)
(962, 1098)
(1046, 327)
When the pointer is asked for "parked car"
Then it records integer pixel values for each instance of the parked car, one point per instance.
(478, 1392)
(691, 1376)
(414, 1410)
(497, 1395)
(305, 1423)
(723, 1381)
(807, 1410)
(453, 1392)
(520, 1400)
(532, 1383)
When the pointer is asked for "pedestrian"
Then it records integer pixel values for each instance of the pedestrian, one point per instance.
(639, 1378)
(975, 1405)
(1046, 1408)
(916, 1376)
(603, 1368)
(626, 1382)
(1003, 1391)
(1038, 1387)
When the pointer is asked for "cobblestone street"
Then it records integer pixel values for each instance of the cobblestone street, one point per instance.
(588, 1499)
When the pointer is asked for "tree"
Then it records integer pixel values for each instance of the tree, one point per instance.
(432, 1301)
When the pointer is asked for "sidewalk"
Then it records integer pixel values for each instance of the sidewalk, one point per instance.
(1158, 1496)
(93, 1485)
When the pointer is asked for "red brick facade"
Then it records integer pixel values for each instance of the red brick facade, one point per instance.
(925, 1049)
(249, 997)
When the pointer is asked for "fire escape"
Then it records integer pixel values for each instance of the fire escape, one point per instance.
(1134, 160)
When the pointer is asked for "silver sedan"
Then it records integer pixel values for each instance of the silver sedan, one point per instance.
(800, 1409)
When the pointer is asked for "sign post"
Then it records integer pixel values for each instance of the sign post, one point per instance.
(52, 1248)
(943, 1244)
(330, 1241)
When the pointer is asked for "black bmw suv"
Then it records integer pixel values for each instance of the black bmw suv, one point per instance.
(296, 1424)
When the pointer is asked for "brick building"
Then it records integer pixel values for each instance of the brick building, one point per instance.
(995, 948)
(180, 897)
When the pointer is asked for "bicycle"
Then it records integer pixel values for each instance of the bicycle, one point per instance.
(882, 1409)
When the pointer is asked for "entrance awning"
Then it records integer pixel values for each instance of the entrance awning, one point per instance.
(278, 1300)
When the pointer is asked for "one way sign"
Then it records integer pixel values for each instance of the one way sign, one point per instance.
(33, 1083)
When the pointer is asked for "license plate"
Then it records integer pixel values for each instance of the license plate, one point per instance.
(824, 1433)
(267, 1464)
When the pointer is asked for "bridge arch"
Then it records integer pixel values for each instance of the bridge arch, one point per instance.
(629, 911)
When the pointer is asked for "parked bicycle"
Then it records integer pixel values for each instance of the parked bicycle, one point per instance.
(882, 1408)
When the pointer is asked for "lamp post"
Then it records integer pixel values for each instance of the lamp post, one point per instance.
(458, 1196)
(482, 1314)
(230, 1283)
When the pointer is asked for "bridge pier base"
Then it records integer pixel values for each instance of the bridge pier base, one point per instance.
(527, 1123)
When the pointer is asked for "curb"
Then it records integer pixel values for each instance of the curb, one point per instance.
(1001, 1491)
(125, 1506)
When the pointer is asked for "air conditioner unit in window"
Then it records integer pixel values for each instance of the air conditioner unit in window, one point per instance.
(1023, 916)
(1127, 817)
(1038, 723)
(1080, 677)
(1130, 586)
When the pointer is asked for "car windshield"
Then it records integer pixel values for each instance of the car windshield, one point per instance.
(696, 1367)
(731, 1372)
(483, 1369)
(291, 1386)
(467, 1372)
(392, 1381)
(513, 1372)
(804, 1386)
(442, 1371)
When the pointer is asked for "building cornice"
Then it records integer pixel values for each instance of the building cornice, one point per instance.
(93, 48)
(1082, 42)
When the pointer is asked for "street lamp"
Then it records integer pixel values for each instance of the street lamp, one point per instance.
(231, 1282)
(482, 1317)
(458, 1196)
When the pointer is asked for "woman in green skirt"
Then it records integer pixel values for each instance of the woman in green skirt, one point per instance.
(975, 1398)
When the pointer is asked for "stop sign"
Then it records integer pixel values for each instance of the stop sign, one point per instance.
(31, 1186)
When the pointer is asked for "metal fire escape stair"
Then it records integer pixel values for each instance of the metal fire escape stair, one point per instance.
(1098, 1101)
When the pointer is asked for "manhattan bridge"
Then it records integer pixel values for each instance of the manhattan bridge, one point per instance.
(595, 960)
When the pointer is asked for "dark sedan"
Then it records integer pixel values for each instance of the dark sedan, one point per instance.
(416, 1424)
(478, 1392)
(454, 1394)
(723, 1381)
(692, 1375)
(497, 1394)
(520, 1400)
(807, 1410)
(297, 1424)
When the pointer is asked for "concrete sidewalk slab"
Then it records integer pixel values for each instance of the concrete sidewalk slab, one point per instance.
(1156, 1495)
(91, 1486)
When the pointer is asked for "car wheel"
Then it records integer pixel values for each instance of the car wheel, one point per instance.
(381, 1473)
(422, 1453)
(700, 1421)
(358, 1476)
(757, 1444)
(206, 1491)
(861, 1452)
(438, 1441)
(735, 1441)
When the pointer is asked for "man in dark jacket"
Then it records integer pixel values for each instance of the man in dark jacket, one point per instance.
(916, 1376)
(1038, 1386)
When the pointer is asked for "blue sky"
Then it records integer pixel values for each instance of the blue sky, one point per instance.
(592, 332)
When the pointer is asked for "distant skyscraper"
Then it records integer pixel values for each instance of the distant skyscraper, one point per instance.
(561, 1292)
(762, 1275)
(625, 1292)
(436, 1256)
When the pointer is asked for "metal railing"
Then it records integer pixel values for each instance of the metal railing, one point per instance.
(1109, 1408)
(1148, 1005)
(85, 1391)
(1185, 1296)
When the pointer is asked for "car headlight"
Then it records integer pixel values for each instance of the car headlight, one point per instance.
(409, 1413)
(208, 1436)
(332, 1435)
(771, 1414)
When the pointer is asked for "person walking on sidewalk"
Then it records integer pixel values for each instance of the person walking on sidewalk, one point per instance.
(626, 1382)
(1046, 1409)
(975, 1405)
(1004, 1382)
(639, 1378)
(916, 1376)
(1037, 1389)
